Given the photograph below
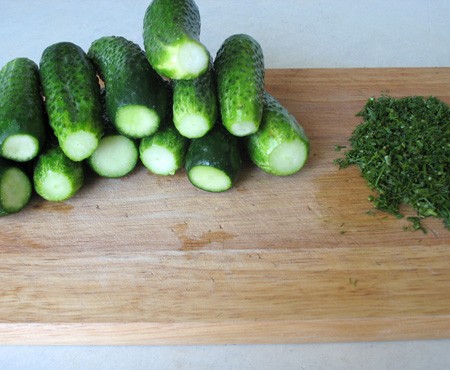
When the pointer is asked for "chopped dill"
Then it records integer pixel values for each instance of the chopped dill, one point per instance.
(402, 148)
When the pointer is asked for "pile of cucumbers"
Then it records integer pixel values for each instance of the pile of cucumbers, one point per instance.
(170, 106)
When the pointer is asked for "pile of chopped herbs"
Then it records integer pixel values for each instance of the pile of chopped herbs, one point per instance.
(402, 148)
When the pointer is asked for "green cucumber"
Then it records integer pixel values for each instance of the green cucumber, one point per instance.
(213, 161)
(280, 146)
(115, 156)
(15, 188)
(163, 153)
(171, 39)
(135, 94)
(72, 98)
(22, 116)
(239, 66)
(195, 106)
(56, 177)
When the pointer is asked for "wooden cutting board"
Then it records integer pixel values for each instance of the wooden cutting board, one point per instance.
(153, 260)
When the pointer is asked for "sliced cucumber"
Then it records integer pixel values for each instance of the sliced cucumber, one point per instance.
(115, 156)
(213, 161)
(239, 66)
(135, 95)
(56, 177)
(171, 39)
(22, 116)
(72, 97)
(163, 153)
(280, 146)
(15, 188)
(195, 107)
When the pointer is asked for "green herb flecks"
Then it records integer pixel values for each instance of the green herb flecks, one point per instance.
(402, 148)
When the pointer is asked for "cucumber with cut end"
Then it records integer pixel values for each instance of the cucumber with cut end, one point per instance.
(213, 161)
(195, 108)
(163, 153)
(171, 39)
(22, 115)
(280, 146)
(15, 188)
(56, 177)
(239, 67)
(115, 156)
(72, 98)
(135, 94)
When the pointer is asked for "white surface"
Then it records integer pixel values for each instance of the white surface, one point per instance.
(293, 33)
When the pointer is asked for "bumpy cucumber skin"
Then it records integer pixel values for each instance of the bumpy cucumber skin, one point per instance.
(129, 78)
(169, 23)
(4, 166)
(167, 137)
(54, 160)
(240, 73)
(71, 89)
(217, 149)
(196, 96)
(21, 105)
(277, 126)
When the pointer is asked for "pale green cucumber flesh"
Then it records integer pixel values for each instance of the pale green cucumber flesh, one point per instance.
(20, 147)
(15, 190)
(193, 125)
(79, 145)
(115, 156)
(159, 160)
(288, 158)
(243, 128)
(55, 186)
(209, 178)
(136, 121)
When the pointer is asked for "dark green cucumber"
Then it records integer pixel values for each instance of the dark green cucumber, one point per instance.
(15, 188)
(56, 177)
(239, 66)
(195, 107)
(72, 98)
(135, 94)
(213, 161)
(163, 153)
(22, 116)
(171, 39)
(280, 146)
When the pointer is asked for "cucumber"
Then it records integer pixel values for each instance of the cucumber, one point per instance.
(213, 161)
(163, 153)
(22, 116)
(72, 98)
(115, 156)
(280, 146)
(239, 66)
(171, 39)
(56, 177)
(195, 107)
(15, 188)
(135, 94)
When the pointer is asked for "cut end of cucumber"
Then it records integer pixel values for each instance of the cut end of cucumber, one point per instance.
(210, 179)
(55, 187)
(115, 156)
(192, 126)
(288, 158)
(79, 145)
(20, 147)
(15, 190)
(192, 59)
(136, 121)
(159, 160)
(243, 128)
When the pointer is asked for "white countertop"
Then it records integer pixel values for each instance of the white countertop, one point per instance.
(293, 33)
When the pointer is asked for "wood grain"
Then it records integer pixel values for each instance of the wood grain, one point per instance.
(153, 260)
